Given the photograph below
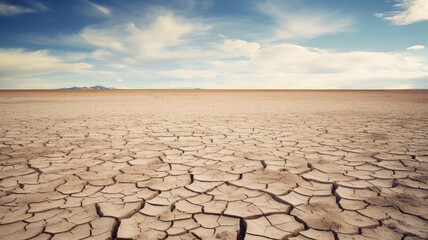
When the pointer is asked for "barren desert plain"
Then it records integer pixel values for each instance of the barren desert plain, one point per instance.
(213, 164)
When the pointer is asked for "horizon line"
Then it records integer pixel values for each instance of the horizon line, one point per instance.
(221, 89)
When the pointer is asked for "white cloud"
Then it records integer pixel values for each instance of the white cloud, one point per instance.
(118, 65)
(295, 66)
(129, 61)
(38, 5)
(189, 74)
(167, 39)
(73, 56)
(10, 10)
(411, 11)
(238, 47)
(150, 42)
(101, 54)
(28, 83)
(300, 59)
(416, 47)
(20, 63)
(296, 23)
(106, 38)
(166, 31)
(402, 86)
(119, 79)
(100, 8)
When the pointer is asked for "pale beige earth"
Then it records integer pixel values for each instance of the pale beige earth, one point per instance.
(198, 164)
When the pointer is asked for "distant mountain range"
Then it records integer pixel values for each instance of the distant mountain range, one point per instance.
(93, 87)
(98, 87)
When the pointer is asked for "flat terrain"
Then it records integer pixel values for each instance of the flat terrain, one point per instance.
(201, 164)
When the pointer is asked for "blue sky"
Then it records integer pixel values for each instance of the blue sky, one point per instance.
(294, 44)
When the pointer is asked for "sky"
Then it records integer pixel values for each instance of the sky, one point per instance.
(214, 44)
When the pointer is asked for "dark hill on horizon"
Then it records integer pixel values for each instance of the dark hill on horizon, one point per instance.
(98, 87)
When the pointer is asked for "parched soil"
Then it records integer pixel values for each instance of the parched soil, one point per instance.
(213, 164)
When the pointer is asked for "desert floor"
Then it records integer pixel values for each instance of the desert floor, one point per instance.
(201, 164)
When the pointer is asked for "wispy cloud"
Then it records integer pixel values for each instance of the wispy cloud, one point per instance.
(293, 22)
(144, 42)
(416, 47)
(11, 10)
(100, 8)
(410, 11)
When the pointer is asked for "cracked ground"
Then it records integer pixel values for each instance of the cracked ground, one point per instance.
(200, 164)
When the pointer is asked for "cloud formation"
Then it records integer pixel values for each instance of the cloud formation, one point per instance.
(150, 42)
(167, 39)
(100, 8)
(410, 11)
(292, 66)
(172, 49)
(21, 63)
(416, 47)
(11, 10)
(296, 23)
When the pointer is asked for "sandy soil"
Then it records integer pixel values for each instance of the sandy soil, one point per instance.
(201, 164)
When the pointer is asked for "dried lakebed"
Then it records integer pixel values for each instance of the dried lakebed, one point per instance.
(199, 164)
